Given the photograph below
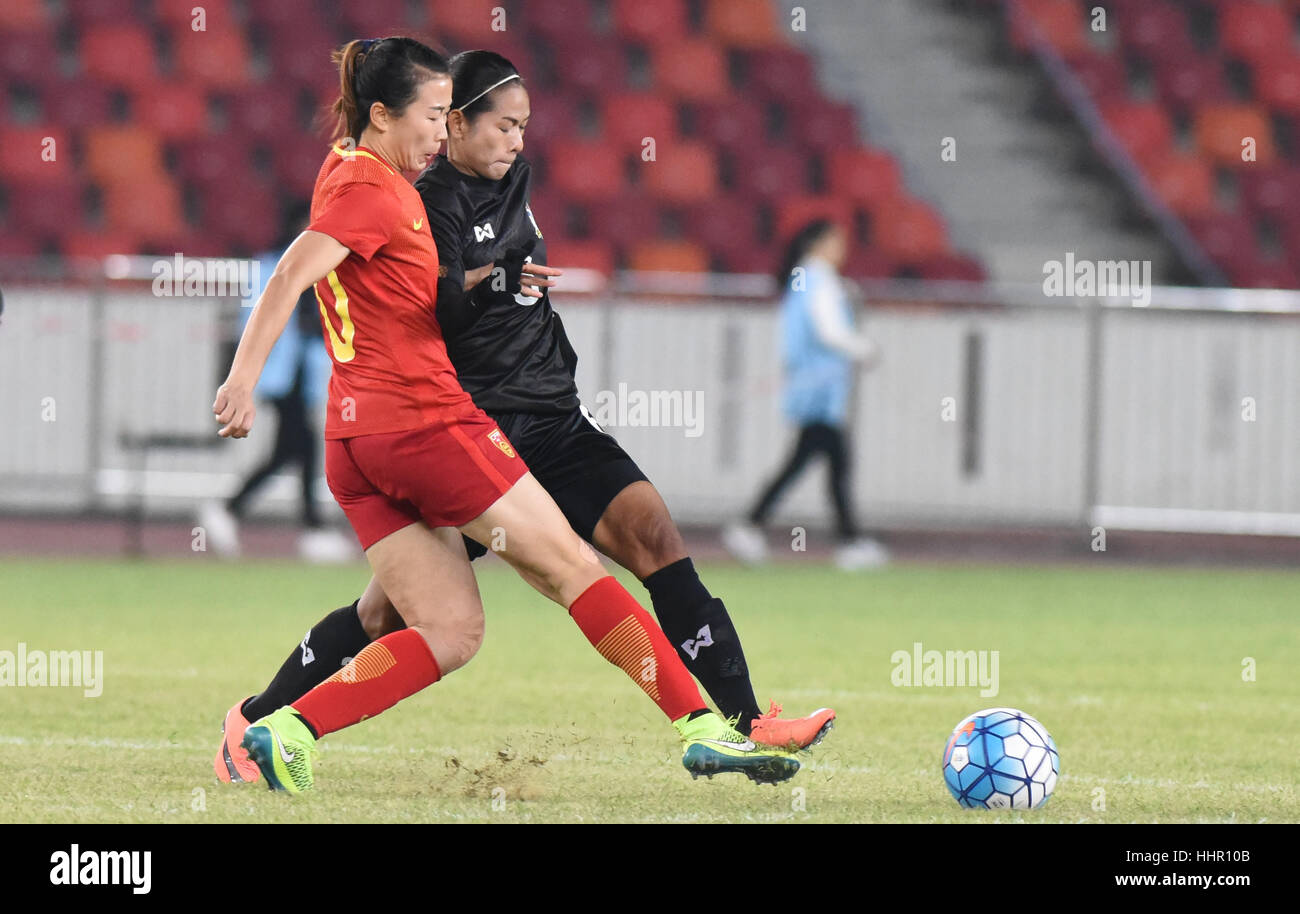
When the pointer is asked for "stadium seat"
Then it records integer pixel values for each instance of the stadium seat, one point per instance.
(29, 58)
(585, 170)
(78, 102)
(309, 64)
(661, 22)
(96, 245)
(1227, 238)
(47, 210)
(866, 261)
(1220, 130)
(555, 116)
(1185, 183)
(1277, 82)
(217, 58)
(592, 69)
(1252, 30)
(146, 207)
(1271, 191)
(669, 256)
(296, 162)
(590, 254)
(1186, 83)
(908, 231)
(1103, 75)
(467, 22)
(20, 15)
(694, 69)
(735, 122)
(558, 21)
(1061, 23)
(374, 18)
(743, 23)
(822, 124)
(117, 153)
(180, 13)
(794, 212)
(683, 172)
(952, 266)
(1143, 128)
(303, 13)
(86, 13)
(1156, 30)
(863, 175)
(19, 244)
(119, 55)
(627, 118)
(779, 74)
(727, 224)
(205, 163)
(768, 171)
(261, 112)
(172, 110)
(247, 221)
(624, 219)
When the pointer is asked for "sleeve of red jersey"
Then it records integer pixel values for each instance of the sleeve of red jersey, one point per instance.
(361, 217)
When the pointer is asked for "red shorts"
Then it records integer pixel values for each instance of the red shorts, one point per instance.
(445, 474)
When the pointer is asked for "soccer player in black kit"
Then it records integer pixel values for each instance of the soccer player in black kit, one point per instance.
(512, 355)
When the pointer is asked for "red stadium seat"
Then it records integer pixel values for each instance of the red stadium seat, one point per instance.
(669, 256)
(1277, 82)
(146, 207)
(623, 220)
(29, 57)
(78, 102)
(1143, 128)
(736, 122)
(822, 124)
(96, 245)
(20, 15)
(309, 62)
(47, 210)
(693, 68)
(863, 175)
(1186, 83)
(217, 57)
(908, 231)
(467, 22)
(558, 21)
(247, 221)
(41, 154)
(629, 117)
(19, 244)
(592, 70)
(1227, 238)
(1258, 272)
(374, 18)
(683, 172)
(205, 163)
(794, 212)
(780, 74)
(180, 13)
(743, 23)
(762, 260)
(1103, 75)
(172, 110)
(297, 161)
(120, 55)
(585, 170)
(767, 172)
(726, 224)
(289, 12)
(661, 22)
(263, 112)
(1156, 30)
(1271, 192)
(951, 267)
(592, 254)
(1253, 31)
(1221, 129)
(867, 262)
(1061, 23)
(1185, 183)
(114, 154)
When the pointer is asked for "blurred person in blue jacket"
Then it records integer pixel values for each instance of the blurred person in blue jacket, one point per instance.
(821, 353)
(295, 383)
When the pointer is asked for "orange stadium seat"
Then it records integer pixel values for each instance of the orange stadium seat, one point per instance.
(661, 22)
(1143, 128)
(172, 110)
(694, 69)
(29, 157)
(119, 152)
(1252, 30)
(120, 55)
(217, 57)
(1061, 22)
(589, 254)
(147, 208)
(585, 169)
(18, 15)
(908, 231)
(1277, 82)
(627, 118)
(1185, 183)
(669, 256)
(683, 172)
(863, 175)
(795, 212)
(743, 23)
(1221, 129)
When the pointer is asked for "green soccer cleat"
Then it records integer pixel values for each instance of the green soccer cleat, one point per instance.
(282, 747)
(714, 746)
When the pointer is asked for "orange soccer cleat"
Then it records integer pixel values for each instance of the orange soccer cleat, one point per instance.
(797, 733)
(232, 763)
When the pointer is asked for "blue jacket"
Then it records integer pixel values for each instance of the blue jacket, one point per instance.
(818, 379)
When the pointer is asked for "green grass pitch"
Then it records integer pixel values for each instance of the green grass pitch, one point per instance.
(1137, 672)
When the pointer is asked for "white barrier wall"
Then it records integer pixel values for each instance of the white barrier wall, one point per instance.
(1139, 417)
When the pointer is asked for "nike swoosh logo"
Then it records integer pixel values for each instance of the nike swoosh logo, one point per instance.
(287, 756)
(417, 223)
(746, 746)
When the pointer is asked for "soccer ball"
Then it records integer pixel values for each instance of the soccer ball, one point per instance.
(1001, 758)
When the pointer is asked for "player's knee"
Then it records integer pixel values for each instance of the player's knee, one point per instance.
(658, 544)
(377, 614)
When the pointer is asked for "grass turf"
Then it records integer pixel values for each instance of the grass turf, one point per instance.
(1136, 672)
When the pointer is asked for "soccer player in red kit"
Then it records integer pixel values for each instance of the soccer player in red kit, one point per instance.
(410, 458)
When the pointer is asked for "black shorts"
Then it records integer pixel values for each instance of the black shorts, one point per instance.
(580, 464)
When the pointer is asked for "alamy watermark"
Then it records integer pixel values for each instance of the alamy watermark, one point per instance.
(53, 669)
(920, 667)
(1129, 279)
(203, 277)
(626, 408)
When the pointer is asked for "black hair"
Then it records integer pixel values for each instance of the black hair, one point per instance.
(472, 73)
(800, 244)
(388, 70)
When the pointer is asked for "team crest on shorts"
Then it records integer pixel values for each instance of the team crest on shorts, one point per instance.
(500, 441)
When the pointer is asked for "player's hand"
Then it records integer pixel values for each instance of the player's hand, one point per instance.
(534, 278)
(234, 409)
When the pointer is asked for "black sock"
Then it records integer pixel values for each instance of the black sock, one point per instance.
(330, 644)
(699, 627)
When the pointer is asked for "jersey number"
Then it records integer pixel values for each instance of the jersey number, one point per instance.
(340, 341)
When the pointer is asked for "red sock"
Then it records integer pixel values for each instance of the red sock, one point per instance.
(627, 637)
(385, 672)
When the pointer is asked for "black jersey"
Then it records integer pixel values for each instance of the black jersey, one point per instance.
(511, 353)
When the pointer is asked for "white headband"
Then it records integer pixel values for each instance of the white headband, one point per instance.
(487, 90)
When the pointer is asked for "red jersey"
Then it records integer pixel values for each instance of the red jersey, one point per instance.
(391, 369)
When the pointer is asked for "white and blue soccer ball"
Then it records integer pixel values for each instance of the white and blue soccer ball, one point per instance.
(1001, 758)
